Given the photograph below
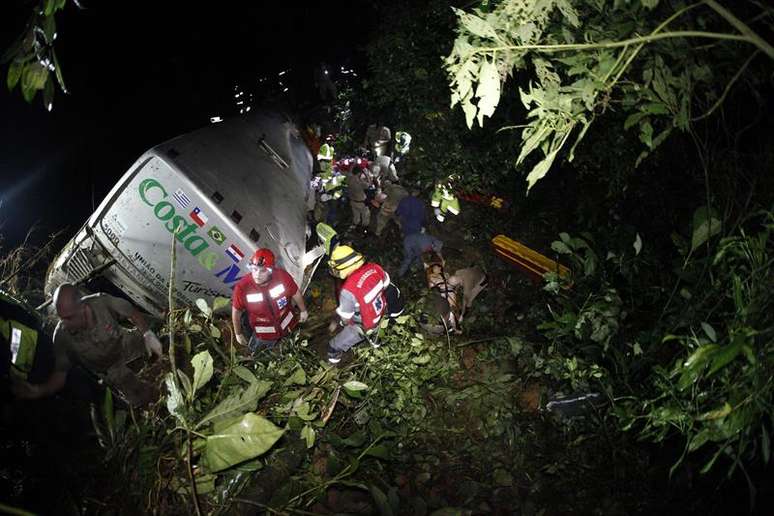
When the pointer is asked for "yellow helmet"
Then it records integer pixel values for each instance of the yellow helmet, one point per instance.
(344, 261)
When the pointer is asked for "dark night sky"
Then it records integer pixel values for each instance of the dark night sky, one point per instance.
(140, 73)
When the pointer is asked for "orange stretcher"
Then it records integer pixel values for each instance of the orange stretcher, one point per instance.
(527, 260)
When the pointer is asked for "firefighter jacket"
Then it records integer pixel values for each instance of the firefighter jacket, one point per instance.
(444, 201)
(19, 334)
(367, 285)
(325, 157)
(268, 306)
(333, 185)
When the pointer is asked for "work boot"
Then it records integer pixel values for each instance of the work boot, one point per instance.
(334, 357)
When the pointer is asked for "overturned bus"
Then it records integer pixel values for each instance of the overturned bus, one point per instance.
(220, 192)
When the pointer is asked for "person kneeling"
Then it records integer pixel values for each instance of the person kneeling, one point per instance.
(363, 301)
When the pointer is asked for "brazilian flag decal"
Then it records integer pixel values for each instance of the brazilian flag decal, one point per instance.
(217, 235)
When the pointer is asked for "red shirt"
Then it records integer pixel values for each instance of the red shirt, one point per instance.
(268, 306)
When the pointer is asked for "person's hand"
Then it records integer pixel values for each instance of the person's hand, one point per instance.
(23, 390)
(303, 316)
(241, 339)
(152, 344)
(333, 326)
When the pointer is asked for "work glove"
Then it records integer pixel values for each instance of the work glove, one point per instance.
(303, 316)
(241, 339)
(152, 344)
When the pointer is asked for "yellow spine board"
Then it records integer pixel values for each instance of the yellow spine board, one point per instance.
(524, 257)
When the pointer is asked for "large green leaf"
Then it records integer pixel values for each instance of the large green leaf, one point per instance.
(297, 378)
(382, 504)
(308, 434)
(175, 401)
(488, 91)
(717, 413)
(109, 415)
(204, 307)
(705, 226)
(250, 437)
(695, 364)
(355, 388)
(541, 169)
(724, 356)
(58, 71)
(238, 403)
(48, 94)
(560, 247)
(380, 451)
(220, 302)
(709, 331)
(470, 111)
(475, 25)
(202, 364)
(34, 76)
(14, 74)
(245, 374)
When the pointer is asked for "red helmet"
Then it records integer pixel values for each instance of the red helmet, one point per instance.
(263, 258)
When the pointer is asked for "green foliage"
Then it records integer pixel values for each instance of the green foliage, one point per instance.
(572, 60)
(711, 381)
(32, 61)
(407, 90)
(720, 385)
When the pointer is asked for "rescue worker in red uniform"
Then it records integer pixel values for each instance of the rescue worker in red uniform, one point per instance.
(265, 294)
(362, 301)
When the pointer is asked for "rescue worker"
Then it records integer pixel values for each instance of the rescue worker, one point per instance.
(377, 139)
(332, 192)
(444, 201)
(411, 213)
(413, 246)
(88, 332)
(265, 294)
(357, 185)
(362, 301)
(325, 156)
(402, 144)
(382, 168)
(392, 193)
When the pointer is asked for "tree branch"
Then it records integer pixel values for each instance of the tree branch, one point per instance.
(742, 27)
(727, 89)
(622, 43)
